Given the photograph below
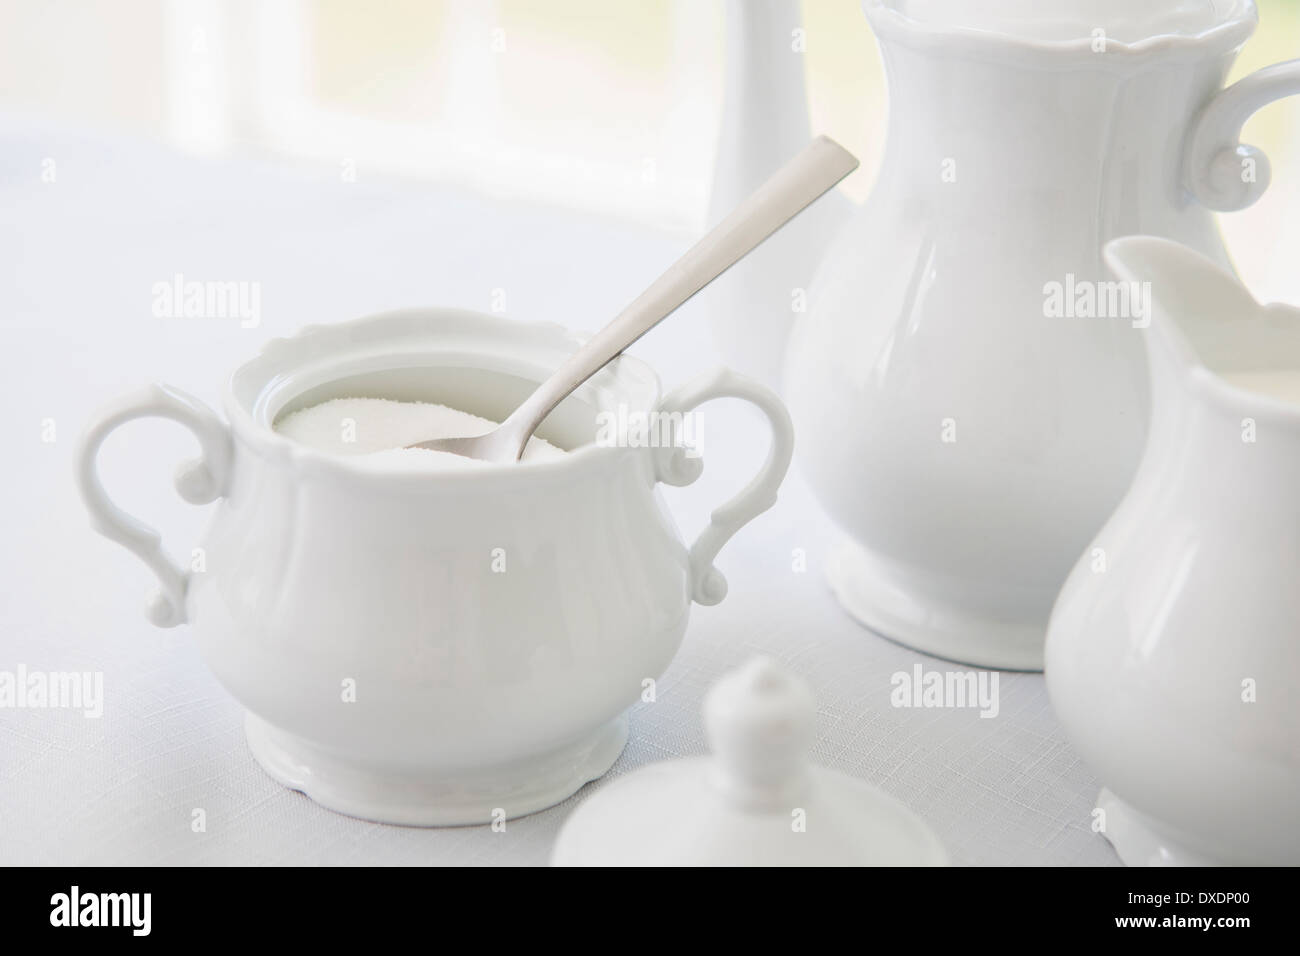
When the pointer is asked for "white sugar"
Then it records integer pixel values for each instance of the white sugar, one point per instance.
(381, 429)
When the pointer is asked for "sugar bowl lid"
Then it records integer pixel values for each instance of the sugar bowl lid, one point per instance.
(1126, 21)
(756, 801)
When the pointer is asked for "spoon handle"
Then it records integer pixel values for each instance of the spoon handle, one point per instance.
(815, 170)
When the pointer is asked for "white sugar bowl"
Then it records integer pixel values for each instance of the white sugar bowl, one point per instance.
(435, 647)
(756, 802)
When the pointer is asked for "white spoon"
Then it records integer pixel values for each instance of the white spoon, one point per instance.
(815, 170)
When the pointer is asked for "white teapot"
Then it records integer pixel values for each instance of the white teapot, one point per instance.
(426, 646)
(969, 412)
(1174, 648)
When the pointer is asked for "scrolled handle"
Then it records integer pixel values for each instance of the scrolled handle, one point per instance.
(1220, 171)
(198, 481)
(676, 466)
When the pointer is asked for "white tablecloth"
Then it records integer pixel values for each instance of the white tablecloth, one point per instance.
(78, 260)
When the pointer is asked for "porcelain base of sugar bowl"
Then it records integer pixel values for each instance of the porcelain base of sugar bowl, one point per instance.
(477, 796)
(922, 615)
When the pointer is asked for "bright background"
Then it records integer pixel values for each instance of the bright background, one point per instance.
(497, 95)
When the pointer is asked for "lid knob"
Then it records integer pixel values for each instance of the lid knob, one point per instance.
(736, 808)
(759, 724)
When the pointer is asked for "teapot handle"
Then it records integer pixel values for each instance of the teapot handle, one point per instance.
(1220, 171)
(198, 481)
(677, 466)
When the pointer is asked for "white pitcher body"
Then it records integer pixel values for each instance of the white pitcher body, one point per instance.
(965, 416)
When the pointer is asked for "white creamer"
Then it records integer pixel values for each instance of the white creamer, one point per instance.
(1173, 649)
(1282, 383)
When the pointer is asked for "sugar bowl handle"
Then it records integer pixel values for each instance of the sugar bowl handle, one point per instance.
(198, 481)
(680, 466)
(1220, 171)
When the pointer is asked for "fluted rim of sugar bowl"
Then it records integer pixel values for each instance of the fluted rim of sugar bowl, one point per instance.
(266, 387)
